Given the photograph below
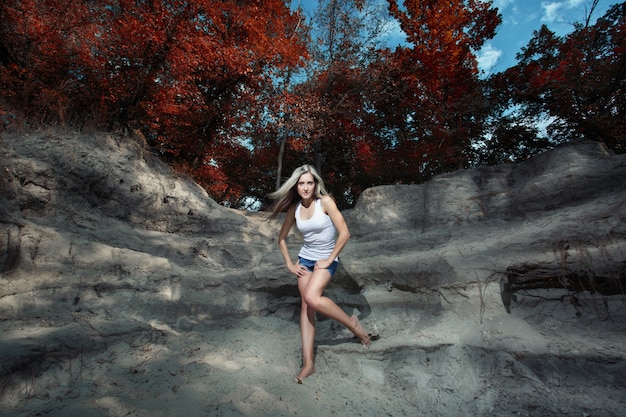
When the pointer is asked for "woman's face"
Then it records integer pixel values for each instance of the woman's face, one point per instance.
(306, 186)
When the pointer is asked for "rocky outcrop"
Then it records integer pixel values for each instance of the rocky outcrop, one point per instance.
(564, 208)
(102, 245)
(86, 218)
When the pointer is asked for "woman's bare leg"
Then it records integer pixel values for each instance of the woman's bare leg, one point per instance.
(312, 296)
(307, 334)
(311, 287)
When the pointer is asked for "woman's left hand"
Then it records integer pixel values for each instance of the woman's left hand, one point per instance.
(322, 264)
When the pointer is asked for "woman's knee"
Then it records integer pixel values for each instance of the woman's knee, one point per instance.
(311, 300)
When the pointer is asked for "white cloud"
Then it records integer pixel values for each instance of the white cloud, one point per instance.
(394, 34)
(552, 12)
(488, 57)
(503, 4)
(508, 16)
(575, 3)
(560, 11)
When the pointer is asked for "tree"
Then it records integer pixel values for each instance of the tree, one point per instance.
(575, 83)
(430, 96)
(319, 116)
(188, 74)
(366, 115)
(42, 56)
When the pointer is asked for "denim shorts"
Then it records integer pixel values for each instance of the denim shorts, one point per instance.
(311, 264)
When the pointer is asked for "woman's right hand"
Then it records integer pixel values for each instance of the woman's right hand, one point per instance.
(297, 269)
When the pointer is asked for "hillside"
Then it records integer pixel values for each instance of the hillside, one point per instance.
(125, 290)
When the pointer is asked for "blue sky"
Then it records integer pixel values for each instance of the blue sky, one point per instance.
(519, 19)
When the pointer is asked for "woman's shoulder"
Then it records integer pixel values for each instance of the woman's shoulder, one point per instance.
(327, 202)
(293, 207)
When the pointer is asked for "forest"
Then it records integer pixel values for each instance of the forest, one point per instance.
(236, 94)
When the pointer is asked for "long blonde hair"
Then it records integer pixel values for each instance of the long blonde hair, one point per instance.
(287, 194)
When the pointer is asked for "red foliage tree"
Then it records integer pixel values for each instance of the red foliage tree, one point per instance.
(430, 92)
(188, 74)
(368, 116)
(42, 52)
(577, 81)
(321, 118)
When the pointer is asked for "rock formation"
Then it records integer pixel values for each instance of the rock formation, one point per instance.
(101, 244)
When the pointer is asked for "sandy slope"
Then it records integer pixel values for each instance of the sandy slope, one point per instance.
(133, 294)
(542, 360)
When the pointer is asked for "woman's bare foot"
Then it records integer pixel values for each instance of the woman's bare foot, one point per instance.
(360, 332)
(305, 372)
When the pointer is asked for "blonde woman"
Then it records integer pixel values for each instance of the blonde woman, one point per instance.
(316, 215)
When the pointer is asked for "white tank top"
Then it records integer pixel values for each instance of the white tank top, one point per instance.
(319, 234)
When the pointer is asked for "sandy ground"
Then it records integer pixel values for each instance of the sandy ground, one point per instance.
(541, 360)
(127, 292)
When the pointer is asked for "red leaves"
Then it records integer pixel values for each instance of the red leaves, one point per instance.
(436, 82)
(577, 80)
(210, 84)
(185, 72)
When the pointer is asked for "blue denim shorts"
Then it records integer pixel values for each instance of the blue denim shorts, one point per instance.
(311, 264)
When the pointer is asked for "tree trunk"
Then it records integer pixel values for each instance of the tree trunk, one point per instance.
(279, 170)
(536, 276)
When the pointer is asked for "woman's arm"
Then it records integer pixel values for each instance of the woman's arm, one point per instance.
(290, 218)
(330, 207)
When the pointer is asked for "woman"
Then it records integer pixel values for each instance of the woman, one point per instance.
(316, 215)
